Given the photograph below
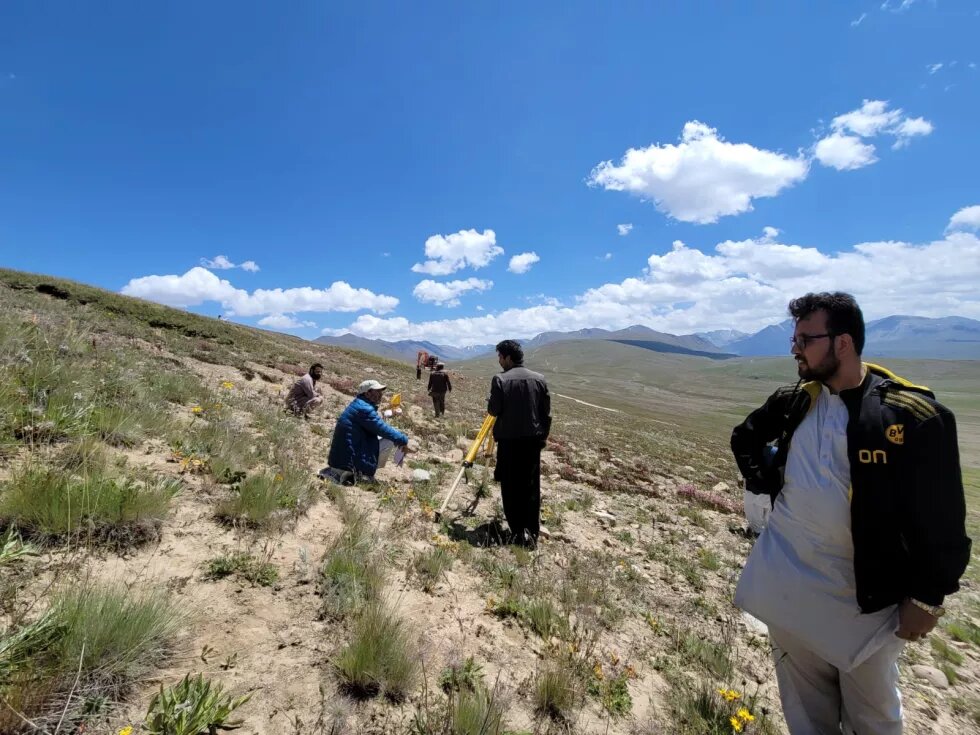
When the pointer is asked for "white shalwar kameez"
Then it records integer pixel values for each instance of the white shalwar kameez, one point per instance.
(836, 667)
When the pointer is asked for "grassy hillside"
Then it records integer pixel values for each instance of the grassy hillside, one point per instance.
(167, 553)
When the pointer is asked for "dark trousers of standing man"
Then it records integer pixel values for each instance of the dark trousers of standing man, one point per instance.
(439, 403)
(519, 472)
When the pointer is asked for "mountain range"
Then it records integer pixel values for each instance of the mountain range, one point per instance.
(944, 338)
(405, 350)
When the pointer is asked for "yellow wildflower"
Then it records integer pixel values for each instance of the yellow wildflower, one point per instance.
(614, 659)
(745, 715)
(227, 385)
(729, 695)
(128, 730)
(736, 724)
(597, 670)
(197, 409)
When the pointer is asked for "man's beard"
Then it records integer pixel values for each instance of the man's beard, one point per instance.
(822, 371)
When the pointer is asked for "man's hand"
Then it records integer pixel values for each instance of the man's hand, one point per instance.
(405, 448)
(914, 623)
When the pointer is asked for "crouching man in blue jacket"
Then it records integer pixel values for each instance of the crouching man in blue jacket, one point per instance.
(358, 438)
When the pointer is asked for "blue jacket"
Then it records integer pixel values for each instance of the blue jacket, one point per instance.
(355, 444)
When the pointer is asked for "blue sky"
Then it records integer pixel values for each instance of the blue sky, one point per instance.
(464, 173)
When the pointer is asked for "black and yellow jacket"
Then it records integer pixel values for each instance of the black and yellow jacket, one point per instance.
(908, 512)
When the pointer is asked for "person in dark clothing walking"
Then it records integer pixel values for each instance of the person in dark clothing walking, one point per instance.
(439, 385)
(520, 401)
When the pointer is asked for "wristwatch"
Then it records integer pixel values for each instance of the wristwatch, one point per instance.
(937, 611)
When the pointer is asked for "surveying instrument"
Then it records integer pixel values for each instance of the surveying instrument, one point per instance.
(482, 436)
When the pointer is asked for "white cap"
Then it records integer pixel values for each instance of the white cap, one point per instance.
(370, 385)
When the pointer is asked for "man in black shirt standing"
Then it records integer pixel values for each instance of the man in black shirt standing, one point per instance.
(439, 385)
(520, 401)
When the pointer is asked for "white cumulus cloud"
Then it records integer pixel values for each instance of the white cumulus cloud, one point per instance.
(742, 284)
(856, 22)
(283, 321)
(448, 293)
(967, 218)
(933, 68)
(624, 230)
(844, 152)
(845, 149)
(222, 262)
(522, 262)
(870, 119)
(199, 285)
(449, 253)
(702, 178)
(909, 128)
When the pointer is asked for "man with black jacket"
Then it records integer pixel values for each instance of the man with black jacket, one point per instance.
(439, 385)
(867, 532)
(520, 400)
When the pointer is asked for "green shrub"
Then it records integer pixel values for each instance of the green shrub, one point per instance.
(84, 456)
(695, 516)
(466, 674)
(712, 656)
(191, 707)
(51, 505)
(350, 575)
(704, 710)
(13, 547)
(544, 619)
(945, 652)
(117, 426)
(244, 566)
(429, 566)
(380, 656)
(555, 690)
(93, 639)
(964, 632)
(267, 500)
(118, 634)
(709, 559)
(19, 647)
(475, 712)
(174, 386)
(613, 691)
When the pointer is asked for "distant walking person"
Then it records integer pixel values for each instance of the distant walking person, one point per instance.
(304, 397)
(867, 531)
(439, 385)
(520, 400)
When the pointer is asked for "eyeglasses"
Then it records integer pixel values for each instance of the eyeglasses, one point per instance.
(803, 340)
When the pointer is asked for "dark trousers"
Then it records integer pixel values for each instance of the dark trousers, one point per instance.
(439, 403)
(519, 472)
